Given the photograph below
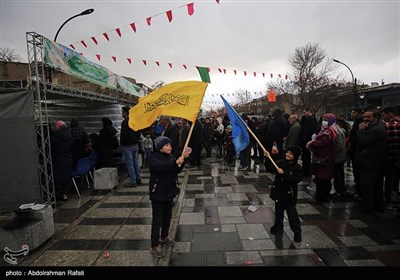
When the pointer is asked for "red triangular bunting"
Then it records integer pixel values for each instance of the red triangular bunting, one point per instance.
(148, 21)
(81, 54)
(170, 65)
(190, 8)
(279, 75)
(184, 66)
(94, 40)
(217, 1)
(169, 15)
(158, 63)
(106, 36)
(133, 26)
(286, 76)
(272, 75)
(245, 73)
(255, 74)
(114, 58)
(234, 71)
(224, 71)
(219, 69)
(263, 75)
(144, 62)
(118, 32)
(72, 46)
(208, 69)
(98, 56)
(84, 44)
(129, 60)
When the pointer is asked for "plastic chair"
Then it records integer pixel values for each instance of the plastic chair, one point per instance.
(94, 157)
(83, 168)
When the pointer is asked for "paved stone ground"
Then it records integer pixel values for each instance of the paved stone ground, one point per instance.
(213, 226)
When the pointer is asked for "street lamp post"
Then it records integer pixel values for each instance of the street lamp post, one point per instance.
(354, 80)
(86, 12)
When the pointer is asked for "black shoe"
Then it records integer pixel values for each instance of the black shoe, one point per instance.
(276, 229)
(297, 237)
(139, 181)
(130, 185)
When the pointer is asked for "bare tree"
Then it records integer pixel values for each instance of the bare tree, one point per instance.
(311, 77)
(8, 55)
(244, 99)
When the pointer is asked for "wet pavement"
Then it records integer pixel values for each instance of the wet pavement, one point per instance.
(221, 218)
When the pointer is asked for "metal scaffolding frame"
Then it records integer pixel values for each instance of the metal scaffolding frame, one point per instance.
(40, 85)
(36, 78)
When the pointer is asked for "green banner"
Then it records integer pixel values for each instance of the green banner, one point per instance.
(69, 61)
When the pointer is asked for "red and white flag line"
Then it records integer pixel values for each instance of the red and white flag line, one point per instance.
(95, 39)
(185, 66)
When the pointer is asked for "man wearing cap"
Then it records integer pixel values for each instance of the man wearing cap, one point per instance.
(164, 169)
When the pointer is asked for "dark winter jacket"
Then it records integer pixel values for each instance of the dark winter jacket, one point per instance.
(285, 187)
(163, 176)
(128, 136)
(61, 152)
(372, 149)
(106, 140)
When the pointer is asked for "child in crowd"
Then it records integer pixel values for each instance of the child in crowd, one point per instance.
(147, 143)
(164, 169)
(284, 191)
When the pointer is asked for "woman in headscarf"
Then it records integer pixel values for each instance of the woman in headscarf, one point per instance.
(323, 157)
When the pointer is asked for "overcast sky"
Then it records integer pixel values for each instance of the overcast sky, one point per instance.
(252, 36)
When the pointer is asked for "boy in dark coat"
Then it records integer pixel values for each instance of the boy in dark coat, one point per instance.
(284, 191)
(164, 169)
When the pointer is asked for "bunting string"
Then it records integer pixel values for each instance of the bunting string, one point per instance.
(217, 70)
(133, 26)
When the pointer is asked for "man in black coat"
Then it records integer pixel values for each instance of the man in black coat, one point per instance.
(308, 127)
(371, 158)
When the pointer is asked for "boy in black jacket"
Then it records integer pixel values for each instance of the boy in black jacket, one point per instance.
(164, 169)
(284, 192)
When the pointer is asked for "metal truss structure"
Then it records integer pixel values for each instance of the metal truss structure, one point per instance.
(36, 78)
(39, 82)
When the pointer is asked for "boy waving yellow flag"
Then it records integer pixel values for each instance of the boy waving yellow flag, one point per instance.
(179, 99)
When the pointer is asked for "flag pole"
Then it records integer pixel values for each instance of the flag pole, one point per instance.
(261, 145)
(187, 139)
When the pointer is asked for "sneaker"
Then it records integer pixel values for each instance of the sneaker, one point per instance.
(297, 237)
(167, 241)
(138, 181)
(157, 251)
(275, 229)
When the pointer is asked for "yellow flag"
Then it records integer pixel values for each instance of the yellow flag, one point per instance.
(179, 99)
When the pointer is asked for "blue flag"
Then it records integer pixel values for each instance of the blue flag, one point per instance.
(240, 135)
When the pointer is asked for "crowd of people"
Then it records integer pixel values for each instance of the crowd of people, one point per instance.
(296, 148)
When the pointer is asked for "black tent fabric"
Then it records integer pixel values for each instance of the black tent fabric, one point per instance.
(19, 182)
